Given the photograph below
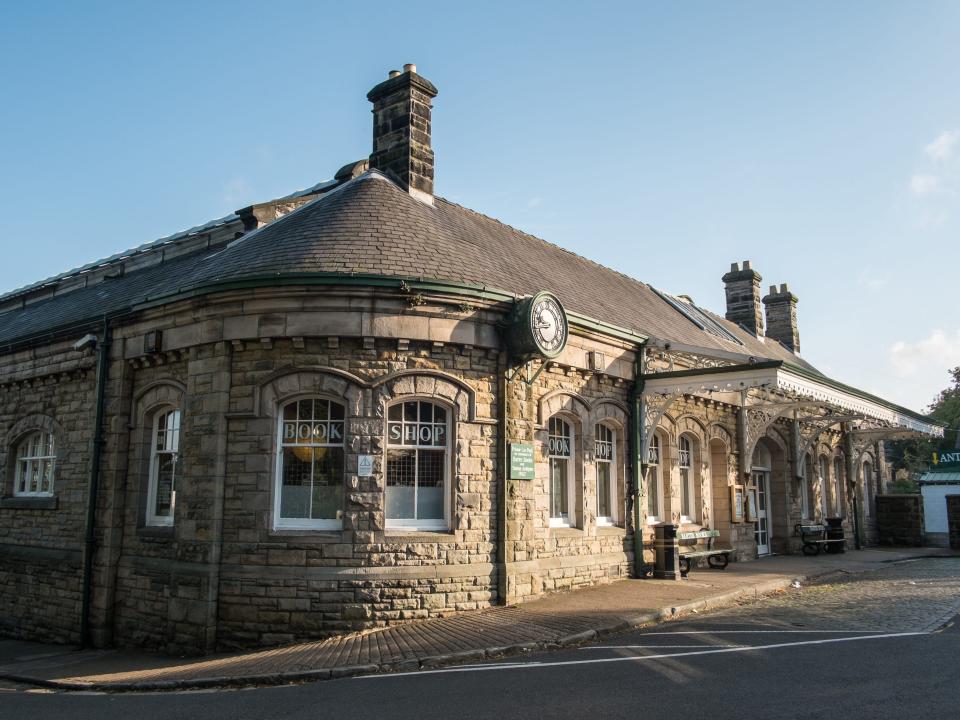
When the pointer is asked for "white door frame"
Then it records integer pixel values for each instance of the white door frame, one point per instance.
(761, 476)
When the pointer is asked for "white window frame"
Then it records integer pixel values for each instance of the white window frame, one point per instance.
(23, 477)
(654, 453)
(415, 524)
(823, 470)
(838, 485)
(689, 480)
(611, 461)
(152, 519)
(282, 523)
(571, 460)
(805, 491)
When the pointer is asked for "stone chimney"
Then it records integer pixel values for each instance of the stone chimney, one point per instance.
(743, 297)
(781, 307)
(401, 131)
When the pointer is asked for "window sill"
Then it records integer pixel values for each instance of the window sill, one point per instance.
(163, 532)
(306, 534)
(414, 535)
(29, 503)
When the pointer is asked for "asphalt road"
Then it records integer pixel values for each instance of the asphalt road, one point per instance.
(827, 652)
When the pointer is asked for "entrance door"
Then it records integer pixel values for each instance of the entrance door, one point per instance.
(761, 527)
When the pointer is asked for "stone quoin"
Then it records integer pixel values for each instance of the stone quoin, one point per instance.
(362, 404)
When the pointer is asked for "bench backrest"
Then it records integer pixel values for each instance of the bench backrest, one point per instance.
(698, 535)
(812, 528)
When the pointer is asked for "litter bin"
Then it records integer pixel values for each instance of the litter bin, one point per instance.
(667, 563)
(835, 532)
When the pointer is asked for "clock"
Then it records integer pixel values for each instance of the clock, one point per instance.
(539, 327)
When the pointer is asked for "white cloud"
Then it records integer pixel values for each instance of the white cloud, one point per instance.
(924, 184)
(534, 202)
(935, 353)
(942, 148)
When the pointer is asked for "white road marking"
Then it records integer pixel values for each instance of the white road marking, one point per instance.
(638, 658)
(762, 632)
(642, 647)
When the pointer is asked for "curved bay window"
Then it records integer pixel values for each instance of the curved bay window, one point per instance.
(605, 452)
(418, 440)
(653, 480)
(560, 455)
(688, 494)
(164, 452)
(309, 486)
(35, 464)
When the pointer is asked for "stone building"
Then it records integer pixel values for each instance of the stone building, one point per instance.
(363, 404)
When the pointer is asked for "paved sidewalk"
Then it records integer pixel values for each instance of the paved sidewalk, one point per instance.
(554, 621)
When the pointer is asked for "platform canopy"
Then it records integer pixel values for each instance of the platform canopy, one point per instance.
(770, 390)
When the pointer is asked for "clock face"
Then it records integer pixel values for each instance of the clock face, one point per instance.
(549, 325)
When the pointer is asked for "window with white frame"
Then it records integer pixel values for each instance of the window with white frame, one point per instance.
(309, 472)
(605, 452)
(824, 486)
(805, 489)
(164, 452)
(653, 480)
(838, 484)
(35, 464)
(688, 490)
(418, 441)
(560, 456)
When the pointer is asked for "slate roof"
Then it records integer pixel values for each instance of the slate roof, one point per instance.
(371, 226)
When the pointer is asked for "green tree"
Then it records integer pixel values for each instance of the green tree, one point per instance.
(915, 455)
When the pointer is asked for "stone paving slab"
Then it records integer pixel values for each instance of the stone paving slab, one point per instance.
(557, 620)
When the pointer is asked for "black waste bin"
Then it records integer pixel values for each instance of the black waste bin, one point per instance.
(835, 532)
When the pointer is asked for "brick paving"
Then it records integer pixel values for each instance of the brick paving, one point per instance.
(924, 594)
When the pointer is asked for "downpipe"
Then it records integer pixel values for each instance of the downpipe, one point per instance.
(636, 461)
(89, 541)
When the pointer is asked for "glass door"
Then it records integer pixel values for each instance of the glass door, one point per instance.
(761, 527)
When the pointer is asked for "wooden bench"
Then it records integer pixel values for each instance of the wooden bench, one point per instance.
(815, 540)
(698, 544)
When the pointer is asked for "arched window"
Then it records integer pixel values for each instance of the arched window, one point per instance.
(309, 476)
(36, 462)
(605, 452)
(653, 480)
(838, 484)
(560, 455)
(164, 451)
(688, 491)
(418, 441)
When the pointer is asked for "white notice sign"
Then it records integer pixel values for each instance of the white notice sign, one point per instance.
(365, 466)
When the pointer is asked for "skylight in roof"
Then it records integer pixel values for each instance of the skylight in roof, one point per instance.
(698, 317)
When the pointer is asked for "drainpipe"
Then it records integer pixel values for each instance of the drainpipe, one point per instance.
(637, 465)
(103, 360)
(502, 365)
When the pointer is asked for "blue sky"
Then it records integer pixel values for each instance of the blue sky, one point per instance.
(820, 140)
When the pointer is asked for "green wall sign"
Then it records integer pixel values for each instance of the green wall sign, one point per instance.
(521, 461)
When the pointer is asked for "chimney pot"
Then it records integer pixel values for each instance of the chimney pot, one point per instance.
(784, 288)
(393, 73)
(410, 68)
(746, 264)
(773, 289)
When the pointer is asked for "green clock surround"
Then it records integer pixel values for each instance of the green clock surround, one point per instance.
(539, 327)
